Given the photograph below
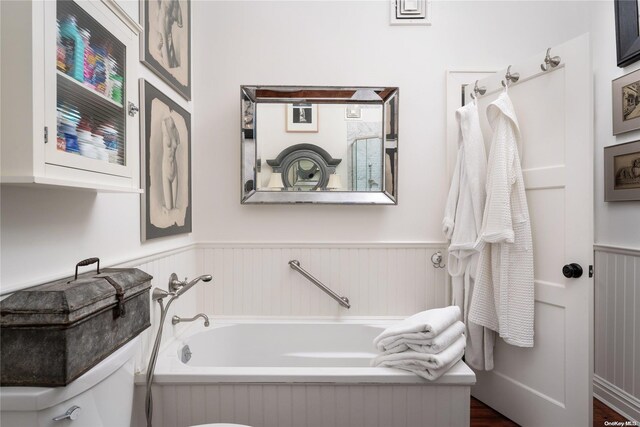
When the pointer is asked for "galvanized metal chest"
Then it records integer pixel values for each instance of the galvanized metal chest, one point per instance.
(53, 333)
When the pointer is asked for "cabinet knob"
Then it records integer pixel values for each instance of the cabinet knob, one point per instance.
(72, 414)
(133, 109)
(572, 270)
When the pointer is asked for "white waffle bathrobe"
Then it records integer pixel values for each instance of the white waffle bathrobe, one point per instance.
(461, 224)
(504, 290)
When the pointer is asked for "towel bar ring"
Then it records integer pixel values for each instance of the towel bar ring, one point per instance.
(436, 260)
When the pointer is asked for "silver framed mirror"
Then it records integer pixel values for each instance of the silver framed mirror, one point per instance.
(312, 144)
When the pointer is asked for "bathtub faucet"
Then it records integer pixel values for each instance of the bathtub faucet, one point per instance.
(176, 288)
(180, 287)
(177, 319)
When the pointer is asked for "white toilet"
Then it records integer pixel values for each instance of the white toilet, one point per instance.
(102, 397)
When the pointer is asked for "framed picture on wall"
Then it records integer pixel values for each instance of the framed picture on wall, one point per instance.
(302, 118)
(622, 172)
(166, 43)
(165, 127)
(627, 32)
(625, 94)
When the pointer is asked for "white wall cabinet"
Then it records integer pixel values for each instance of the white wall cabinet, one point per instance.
(69, 91)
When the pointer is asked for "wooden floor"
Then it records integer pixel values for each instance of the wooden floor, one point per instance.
(484, 416)
(602, 413)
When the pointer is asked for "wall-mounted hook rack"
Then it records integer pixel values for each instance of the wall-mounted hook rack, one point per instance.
(478, 90)
(510, 77)
(550, 61)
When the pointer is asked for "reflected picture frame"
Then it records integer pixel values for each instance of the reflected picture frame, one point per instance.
(167, 51)
(622, 172)
(302, 117)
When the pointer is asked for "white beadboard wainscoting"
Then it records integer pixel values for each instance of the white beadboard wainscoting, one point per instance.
(383, 279)
(617, 329)
(308, 405)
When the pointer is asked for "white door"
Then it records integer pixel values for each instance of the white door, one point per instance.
(550, 384)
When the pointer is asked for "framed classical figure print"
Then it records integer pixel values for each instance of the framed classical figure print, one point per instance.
(166, 42)
(622, 172)
(627, 32)
(302, 118)
(165, 127)
(626, 103)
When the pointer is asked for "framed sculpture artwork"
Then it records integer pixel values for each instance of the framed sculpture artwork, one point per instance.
(166, 165)
(166, 43)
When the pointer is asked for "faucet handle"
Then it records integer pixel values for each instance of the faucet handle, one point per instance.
(175, 283)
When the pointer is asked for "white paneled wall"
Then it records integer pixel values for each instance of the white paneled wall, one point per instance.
(308, 405)
(379, 280)
(617, 328)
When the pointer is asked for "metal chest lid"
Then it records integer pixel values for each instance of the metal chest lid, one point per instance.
(69, 300)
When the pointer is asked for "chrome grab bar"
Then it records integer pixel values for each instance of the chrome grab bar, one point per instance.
(343, 301)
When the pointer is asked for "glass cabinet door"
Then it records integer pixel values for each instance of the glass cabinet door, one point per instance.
(90, 93)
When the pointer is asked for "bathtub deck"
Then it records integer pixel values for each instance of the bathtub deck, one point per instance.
(178, 373)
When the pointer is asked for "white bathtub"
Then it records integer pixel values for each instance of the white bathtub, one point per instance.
(297, 373)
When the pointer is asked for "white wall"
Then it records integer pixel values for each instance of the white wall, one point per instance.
(617, 223)
(349, 43)
(246, 42)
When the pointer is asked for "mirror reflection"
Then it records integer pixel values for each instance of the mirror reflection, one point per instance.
(329, 142)
(319, 141)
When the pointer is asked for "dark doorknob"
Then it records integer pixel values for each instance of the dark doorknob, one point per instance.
(572, 271)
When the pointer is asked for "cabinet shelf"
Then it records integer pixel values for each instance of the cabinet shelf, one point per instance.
(73, 84)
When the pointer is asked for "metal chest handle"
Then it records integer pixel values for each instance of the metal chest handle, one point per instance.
(87, 261)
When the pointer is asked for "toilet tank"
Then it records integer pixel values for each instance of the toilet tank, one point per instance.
(104, 396)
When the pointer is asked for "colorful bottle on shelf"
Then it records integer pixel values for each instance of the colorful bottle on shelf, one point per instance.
(100, 72)
(61, 142)
(89, 57)
(60, 52)
(116, 88)
(70, 136)
(74, 48)
(110, 137)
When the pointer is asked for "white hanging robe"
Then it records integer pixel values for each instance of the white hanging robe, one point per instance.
(462, 223)
(504, 291)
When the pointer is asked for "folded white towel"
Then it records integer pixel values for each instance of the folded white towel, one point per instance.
(431, 374)
(418, 341)
(418, 360)
(430, 322)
